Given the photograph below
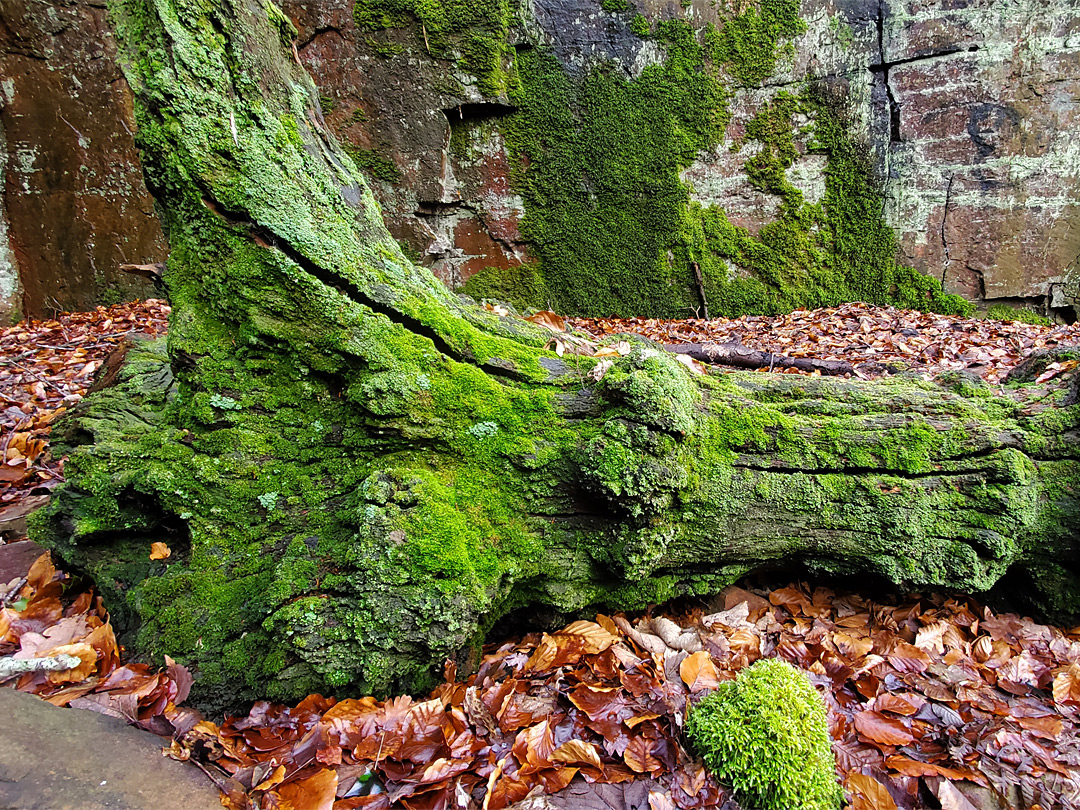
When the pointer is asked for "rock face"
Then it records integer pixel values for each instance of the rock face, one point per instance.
(982, 144)
(967, 108)
(74, 203)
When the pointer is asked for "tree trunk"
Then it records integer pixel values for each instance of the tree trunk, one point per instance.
(358, 472)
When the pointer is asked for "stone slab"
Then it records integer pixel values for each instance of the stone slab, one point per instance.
(16, 559)
(68, 759)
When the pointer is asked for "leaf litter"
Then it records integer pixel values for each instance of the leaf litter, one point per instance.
(45, 368)
(927, 697)
(875, 340)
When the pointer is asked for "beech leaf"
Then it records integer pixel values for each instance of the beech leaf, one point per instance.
(160, 551)
(878, 728)
(699, 672)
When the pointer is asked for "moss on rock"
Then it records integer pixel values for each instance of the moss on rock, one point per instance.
(598, 158)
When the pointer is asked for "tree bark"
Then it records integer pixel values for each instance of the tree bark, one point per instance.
(358, 472)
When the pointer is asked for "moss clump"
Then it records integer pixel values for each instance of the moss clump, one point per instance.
(375, 165)
(766, 734)
(470, 33)
(1003, 312)
(749, 43)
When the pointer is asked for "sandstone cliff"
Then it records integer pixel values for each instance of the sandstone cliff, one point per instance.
(632, 195)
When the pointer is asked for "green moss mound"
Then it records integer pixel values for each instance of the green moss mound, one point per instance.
(766, 734)
(1003, 312)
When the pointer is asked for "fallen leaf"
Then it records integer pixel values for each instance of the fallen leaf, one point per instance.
(699, 672)
(868, 793)
(878, 728)
(548, 319)
(160, 551)
(575, 752)
(314, 793)
(1067, 686)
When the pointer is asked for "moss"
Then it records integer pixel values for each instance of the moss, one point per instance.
(589, 149)
(748, 44)
(615, 6)
(375, 165)
(521, 285)
(842, 32)
(765, 733)
(595, 149)
(639, 25)
(472, 35)
(1003, 312)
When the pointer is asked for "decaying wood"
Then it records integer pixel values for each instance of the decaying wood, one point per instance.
(738, 356)
(11, 666)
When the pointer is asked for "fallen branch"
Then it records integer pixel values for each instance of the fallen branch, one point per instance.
(737, 356)
(11, 666)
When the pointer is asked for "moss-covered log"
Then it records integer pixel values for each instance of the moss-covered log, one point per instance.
(358, 472)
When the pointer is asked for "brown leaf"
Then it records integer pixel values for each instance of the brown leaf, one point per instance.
(868, 793)
(899, 704)
(1067, 686)
(949, 797)
(878, 728)
(569, 644)
(41, 573)
(639, 756)
(577, 752)
(87, 656)
(314, 793)
(699, 672)
(181, 677)
(911, 767)
(273, 780)
(908, 658)
(548, 319)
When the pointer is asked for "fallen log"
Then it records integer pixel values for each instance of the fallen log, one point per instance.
(358, 472)
(738, 356)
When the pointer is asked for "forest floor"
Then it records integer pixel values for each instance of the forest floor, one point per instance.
(934, 701)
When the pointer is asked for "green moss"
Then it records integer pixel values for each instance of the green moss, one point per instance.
(375, 165)
(841, 31)
(521, 285)
(1003, 312)
(615, 6)
(597, 150)
(766, 734)
(588, 150)
(640, 26)
(748, 44)
(811, 255)
(472, 35)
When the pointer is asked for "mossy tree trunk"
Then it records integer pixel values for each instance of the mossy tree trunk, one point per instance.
(358, 472)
